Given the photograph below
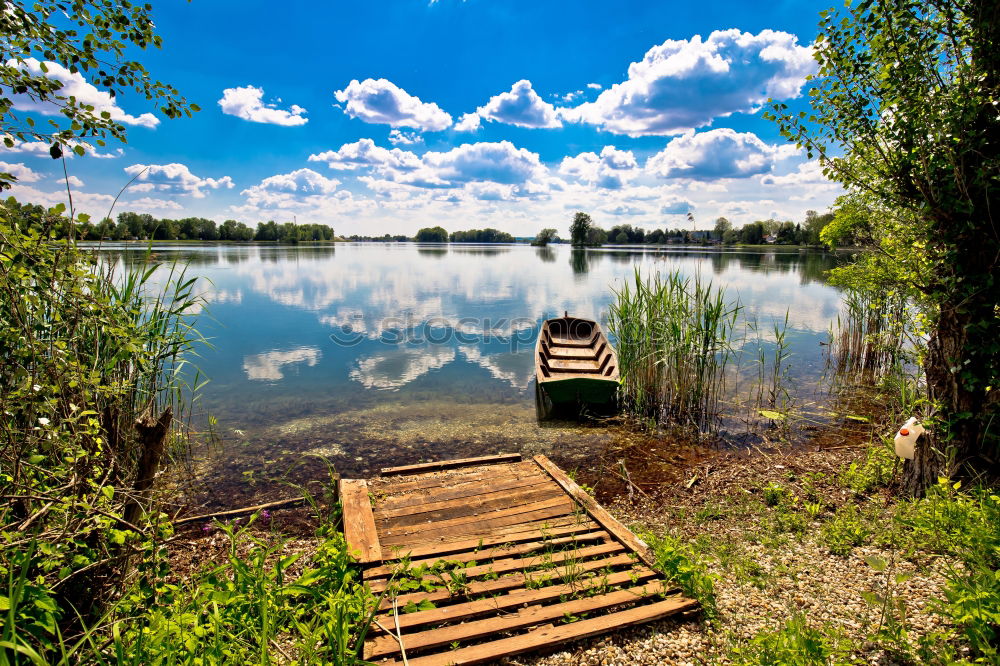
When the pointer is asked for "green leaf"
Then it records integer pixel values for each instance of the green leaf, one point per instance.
(876, 563)
(769, 414)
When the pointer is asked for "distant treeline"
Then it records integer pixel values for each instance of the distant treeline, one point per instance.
(754, 233)
(142, 226)
(439, 235)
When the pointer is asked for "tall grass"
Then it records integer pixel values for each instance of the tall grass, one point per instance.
(870, 338)
(674, 342)
(93, 371)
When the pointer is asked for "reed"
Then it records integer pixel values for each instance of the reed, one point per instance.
(674, 342)
(94, 373)
(870, 338)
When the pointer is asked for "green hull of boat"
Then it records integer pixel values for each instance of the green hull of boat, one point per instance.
(582, 390)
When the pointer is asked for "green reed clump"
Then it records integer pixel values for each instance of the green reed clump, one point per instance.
(92, 374)
(674, 342)
(871, 337)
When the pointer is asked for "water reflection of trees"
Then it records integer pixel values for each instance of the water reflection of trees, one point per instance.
(579, 260)
(546, 254)
(811, 266)
(436, 252)
(480, 251)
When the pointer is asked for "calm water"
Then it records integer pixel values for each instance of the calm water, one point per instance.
(376, 354)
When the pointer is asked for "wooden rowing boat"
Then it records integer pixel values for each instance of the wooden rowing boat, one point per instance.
(575, 364)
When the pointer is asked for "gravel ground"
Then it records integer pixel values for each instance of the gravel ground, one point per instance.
(762, 578)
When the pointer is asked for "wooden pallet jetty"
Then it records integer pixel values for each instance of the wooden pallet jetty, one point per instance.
(483, 558)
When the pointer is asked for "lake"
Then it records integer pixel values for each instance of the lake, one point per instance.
(369, 354)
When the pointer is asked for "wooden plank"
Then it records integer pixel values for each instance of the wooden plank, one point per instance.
(484, 554)
(560, 500)
(468, 506)
(469, 609)
(539, 638)
(521, 563)
(464, 527)
(598, 512)
(359, 523)
(523, 532)
(387, 645)
(451, 464)
(516, 580)
(397, 504)
(456, 477)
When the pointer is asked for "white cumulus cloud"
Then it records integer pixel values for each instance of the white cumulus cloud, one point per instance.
(381, 101)
(611, 169)
(74, 85)
(300, 187)
(24, 174)
(41, 149)
(715, 154)
(248, 103)
(684, 84)
(499, 162)
(521, 107)
(365, 153)
(403, 138)
(146, 204)
(469, 122)
(175, 179)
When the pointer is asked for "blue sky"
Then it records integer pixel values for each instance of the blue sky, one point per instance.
(383, 117)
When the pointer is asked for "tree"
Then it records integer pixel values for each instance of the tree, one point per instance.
(266, 231)
(814, 225)
(722, 225)
(432, 235)
(45, 40)
(904, 115)
(545, 236)
(579, 229)
(596, 236)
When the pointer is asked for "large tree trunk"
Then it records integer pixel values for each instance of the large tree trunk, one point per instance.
(960, 367)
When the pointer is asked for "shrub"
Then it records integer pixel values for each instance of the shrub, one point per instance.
(965, 525)
(774, 494)
(682, 565)
(844, 531)
(795, 643)
(235, 612)
(875, 471)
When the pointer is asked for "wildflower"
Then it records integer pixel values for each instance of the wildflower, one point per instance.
(265, 515)
(44, 421)
(207, 528)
